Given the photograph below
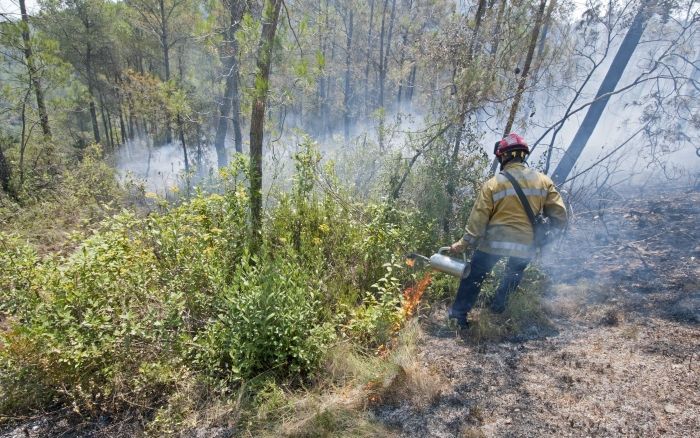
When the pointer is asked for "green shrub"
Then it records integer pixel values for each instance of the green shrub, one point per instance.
(269, 321)
(145, 302)
(111, 324)
(379, 316)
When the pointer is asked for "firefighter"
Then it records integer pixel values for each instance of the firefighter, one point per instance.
(499, 227)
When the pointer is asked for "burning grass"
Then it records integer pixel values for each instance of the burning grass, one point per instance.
(413, 294)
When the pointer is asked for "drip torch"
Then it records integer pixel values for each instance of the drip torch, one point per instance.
(442, 262)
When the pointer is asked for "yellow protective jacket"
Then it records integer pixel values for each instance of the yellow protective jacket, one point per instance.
(498, 222)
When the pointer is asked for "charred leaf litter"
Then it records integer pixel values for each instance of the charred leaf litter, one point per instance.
(622, 354)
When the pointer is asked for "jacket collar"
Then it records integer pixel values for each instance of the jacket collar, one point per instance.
(510, 166)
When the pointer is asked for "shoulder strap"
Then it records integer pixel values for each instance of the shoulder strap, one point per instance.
(521, 196)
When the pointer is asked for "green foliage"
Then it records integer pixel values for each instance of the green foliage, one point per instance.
(145, 301)
(268, 321)
(377, 319)
(51, 207)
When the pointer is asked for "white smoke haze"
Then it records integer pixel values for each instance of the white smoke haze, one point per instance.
(162, 168)
(358, 159)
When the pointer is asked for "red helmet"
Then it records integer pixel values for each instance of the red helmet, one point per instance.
(511, 142)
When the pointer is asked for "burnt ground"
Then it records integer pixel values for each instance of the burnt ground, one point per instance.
(622, 354)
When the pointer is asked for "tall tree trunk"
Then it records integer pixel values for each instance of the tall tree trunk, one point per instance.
(165, 47)
(33, 74)
(524, 75)
(384, 50)
(402, 60)
(612, 77)
(231, 101)
(105, 124)
(322, 78)
(91, 92)
(181, 130)
(122, 126)
(497, 33)
(112, 135)
(545, 27)
(348, 89)
(526, 68)
(270, 17)
(5, 172)
(411, 85)
(93, 117)
(369, 57)
(450, 185)
(133, 124)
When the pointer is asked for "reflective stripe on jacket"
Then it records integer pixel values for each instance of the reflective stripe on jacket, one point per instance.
(498, 221)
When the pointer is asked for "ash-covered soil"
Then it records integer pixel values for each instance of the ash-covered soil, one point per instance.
(622, 357)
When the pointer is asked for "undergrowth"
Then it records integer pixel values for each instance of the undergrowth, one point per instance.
(148, 308)
(525, 308)
(167, 317)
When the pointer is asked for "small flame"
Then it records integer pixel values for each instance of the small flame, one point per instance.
(413, 294)
(410, 262)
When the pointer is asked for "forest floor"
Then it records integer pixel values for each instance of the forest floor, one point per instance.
(620, 355)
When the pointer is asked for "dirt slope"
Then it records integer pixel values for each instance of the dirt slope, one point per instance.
(622, 358)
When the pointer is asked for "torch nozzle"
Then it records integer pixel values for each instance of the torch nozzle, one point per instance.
(412, 257)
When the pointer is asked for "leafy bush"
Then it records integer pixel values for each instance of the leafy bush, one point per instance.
(268, 321)
(380, 315)
(145, 302)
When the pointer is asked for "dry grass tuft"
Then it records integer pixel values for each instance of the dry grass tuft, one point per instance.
(613, 318)
(407, 380)
(569, 300)
(472, 432)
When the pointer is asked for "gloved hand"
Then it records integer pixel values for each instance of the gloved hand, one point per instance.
(458, 247)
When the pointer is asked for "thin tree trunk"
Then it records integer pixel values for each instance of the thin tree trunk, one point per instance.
(112, 135)
(384, 50)
(91, 92)
(122, 126)
(5, 172)
(33, 74)
(526, 68)
(496, 32)
(184, 146)
(5, 169)
(612, 77)
(450, 185)
(404, 40)
(411, 85)
(93, 117)
(369, 57)
(524, 76)
(133, 124)
(231, 101)
(545, 27)
(323, 111)
(224, 111)
(348, 60)
(270, 17)
(23, 141)
(108, 135)
(165, 46)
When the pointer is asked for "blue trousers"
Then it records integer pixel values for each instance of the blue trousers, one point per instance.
(469, 287)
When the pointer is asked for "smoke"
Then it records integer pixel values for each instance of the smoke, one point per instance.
(359, 158)
(162, 168)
